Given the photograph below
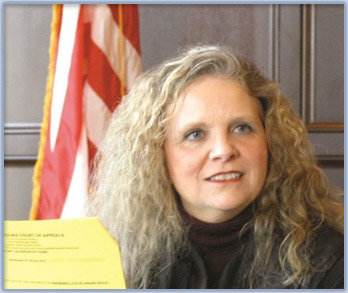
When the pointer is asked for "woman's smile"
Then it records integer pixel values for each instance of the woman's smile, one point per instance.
(224, 177)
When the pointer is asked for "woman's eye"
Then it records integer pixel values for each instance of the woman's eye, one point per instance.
(242, 128)
(194, 135)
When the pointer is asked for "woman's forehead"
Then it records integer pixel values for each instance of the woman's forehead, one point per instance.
(204, 83)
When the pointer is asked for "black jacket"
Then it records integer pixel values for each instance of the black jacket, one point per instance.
(189, 272)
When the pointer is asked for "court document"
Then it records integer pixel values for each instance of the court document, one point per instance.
(61, 254)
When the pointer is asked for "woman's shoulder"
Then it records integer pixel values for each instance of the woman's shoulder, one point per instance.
(328, 259)
(328, 242)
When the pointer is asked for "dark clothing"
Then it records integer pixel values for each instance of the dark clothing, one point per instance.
(216, 242)
(219, 259)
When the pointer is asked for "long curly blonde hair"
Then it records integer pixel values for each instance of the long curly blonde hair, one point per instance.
(135, 200)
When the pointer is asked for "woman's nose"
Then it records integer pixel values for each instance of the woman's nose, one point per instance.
(223, 148)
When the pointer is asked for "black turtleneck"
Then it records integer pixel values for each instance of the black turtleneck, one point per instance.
(217, 242)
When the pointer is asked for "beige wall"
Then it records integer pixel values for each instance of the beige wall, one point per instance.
(299, 45)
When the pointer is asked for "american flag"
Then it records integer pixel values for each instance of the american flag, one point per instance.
(94, 60)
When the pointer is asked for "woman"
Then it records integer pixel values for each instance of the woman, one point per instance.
(206, 179)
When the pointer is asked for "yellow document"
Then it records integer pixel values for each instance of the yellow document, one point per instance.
(61, 254)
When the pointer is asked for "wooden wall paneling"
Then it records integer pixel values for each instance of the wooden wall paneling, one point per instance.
(20, 154)
(323, 71)
(261, 40)
(334, 171)
(18, 177)
(21, 141)
(328, 145)
(166, 28)
(322, 98)
(26, 42)
(289, 43)
(329, 74)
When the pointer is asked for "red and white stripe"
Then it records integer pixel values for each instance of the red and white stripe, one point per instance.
(98, 52)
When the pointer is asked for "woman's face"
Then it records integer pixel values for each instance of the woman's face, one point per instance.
(216, 149)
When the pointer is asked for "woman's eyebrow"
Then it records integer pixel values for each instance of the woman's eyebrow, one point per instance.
(237, 119)
(193, 124)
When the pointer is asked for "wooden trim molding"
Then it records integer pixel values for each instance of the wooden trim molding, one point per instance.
(275, 41)
(331, 161)
(308, 70)
(20, 159)
(325, 127)
(22, 128)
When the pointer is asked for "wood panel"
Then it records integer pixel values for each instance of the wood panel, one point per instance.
(17, 189)
(323, 68)
(26, 43)
(289, 71)
(322, 97)
(243, 28)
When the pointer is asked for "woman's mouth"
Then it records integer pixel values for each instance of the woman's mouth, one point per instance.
(225, 176)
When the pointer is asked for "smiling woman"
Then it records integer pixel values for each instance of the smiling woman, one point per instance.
(216, 149)
(206, 179)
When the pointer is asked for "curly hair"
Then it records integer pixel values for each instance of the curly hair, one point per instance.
(135, 199)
